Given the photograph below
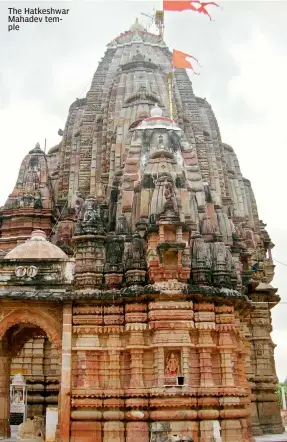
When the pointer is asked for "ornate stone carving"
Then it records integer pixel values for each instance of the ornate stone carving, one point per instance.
(32, 429)
(90, 220)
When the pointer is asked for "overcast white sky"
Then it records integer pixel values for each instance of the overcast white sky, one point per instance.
(45, 66)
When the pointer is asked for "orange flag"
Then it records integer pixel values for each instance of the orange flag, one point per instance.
(179, 5)
(179, 60)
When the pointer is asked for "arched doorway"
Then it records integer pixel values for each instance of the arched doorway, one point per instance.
(29, 344)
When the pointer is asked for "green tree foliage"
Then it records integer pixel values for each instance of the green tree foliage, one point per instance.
(279, 392)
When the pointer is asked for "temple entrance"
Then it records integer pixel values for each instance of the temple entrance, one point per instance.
(28, 352)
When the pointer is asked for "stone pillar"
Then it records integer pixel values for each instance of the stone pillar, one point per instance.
(136, 345)
(206, 431)
(226, 347)
(114, 431)
(65, 393)
(5, 362)
(136, 369)
(185, 365)
(262, 357)
(204, 317)
(114, 344)
(137, 431)
(160, 366)
(114, 375)
(231, 430)
(206, 345)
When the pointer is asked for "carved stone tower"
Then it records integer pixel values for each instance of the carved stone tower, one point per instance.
(151, 283)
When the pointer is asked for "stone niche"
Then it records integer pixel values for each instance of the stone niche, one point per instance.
(172, 367)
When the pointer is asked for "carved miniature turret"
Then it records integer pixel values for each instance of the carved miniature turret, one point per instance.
(31, 200)
(89, 238)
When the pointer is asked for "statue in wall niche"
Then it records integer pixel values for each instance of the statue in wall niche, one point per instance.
(31, 181)
(170, 197)
(90, 220)
(114, 256)
(123, 227)
(135, 255)
(172, 364)
(79, 202)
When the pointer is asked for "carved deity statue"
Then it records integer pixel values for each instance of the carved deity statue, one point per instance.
(170, 196)
(172, 365)
(135, 256)
(114, 256)
(91, 211)
(32, 181)
(79, 204)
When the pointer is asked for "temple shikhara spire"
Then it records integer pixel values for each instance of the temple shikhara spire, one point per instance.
(135, 272)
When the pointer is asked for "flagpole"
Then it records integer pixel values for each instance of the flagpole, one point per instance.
(169, 76)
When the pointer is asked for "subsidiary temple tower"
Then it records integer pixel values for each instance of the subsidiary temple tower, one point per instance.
(135, 273)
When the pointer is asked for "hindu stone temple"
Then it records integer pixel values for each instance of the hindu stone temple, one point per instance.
(135, 273)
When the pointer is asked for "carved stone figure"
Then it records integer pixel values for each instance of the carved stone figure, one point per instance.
(114, 256)
(172, 365)
(79, 202)
(31, 181)
(90, 221)
(135, 258)
(170, 196)
(32, 429)
(200, 260)
(123, 227)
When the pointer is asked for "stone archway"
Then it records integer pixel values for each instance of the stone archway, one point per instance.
(36, 316)
(17, 325)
